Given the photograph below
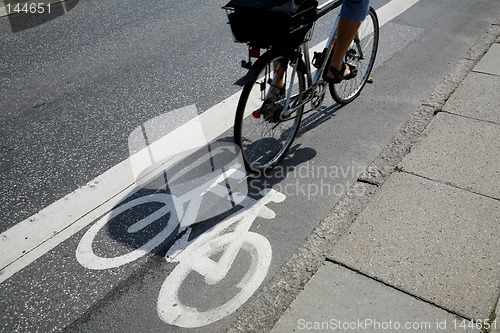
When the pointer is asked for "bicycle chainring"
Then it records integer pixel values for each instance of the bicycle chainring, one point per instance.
(318, 95)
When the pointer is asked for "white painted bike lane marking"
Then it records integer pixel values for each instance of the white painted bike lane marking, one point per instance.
(196, 256)
(32, 238)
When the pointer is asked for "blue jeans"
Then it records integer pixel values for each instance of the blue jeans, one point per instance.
(355, 10)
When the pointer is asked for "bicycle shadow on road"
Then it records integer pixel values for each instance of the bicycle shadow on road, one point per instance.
(296, 156)
(190, 209)
(156, 212)
(314, 119)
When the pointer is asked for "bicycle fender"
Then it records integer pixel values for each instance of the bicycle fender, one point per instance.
(245, 79)
(267, 56)
(242, 81)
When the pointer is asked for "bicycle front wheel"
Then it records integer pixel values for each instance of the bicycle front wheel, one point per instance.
(261, 130)
(361, 53)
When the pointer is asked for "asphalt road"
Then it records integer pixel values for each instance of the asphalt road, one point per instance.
(76, 86)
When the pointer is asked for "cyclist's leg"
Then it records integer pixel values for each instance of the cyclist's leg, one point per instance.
(352, 13)
(278, 81)
(362, 54)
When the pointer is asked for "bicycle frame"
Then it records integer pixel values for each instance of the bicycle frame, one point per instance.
(304, 52)
(323, 10)
(281, 82)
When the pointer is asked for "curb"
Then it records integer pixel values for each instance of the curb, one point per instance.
(262, 312)
(4, 12)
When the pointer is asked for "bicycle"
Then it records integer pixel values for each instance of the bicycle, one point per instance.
(265, 127)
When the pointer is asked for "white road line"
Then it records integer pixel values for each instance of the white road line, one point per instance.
(32, 238)
(392, 9)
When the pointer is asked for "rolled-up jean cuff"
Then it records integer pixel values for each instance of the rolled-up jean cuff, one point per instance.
(355, 10)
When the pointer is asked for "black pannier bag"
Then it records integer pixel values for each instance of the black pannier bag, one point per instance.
(266, 23)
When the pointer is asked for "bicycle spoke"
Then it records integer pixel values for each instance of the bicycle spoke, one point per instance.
(264, 137)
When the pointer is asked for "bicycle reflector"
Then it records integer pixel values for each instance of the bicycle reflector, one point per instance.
(254, 53)
(256, 114)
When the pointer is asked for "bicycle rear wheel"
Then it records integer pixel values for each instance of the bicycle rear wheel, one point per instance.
(260, 129)
(361, 53)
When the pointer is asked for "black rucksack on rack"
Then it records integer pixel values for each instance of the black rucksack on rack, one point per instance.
(266, 23)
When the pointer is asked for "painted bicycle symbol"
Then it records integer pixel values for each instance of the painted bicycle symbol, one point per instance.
(197, 257)
(227, 238)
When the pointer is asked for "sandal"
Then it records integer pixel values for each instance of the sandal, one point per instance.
(338, 75)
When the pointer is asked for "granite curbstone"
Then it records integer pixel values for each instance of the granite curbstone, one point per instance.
(449, 84)
(483, 44)
(398, 147)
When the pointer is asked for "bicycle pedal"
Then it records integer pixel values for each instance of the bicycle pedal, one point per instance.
(350, 54)
(318, 59)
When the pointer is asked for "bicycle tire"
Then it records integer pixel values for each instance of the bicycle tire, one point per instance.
(172, 311)
(263, 138)
(347, 90)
